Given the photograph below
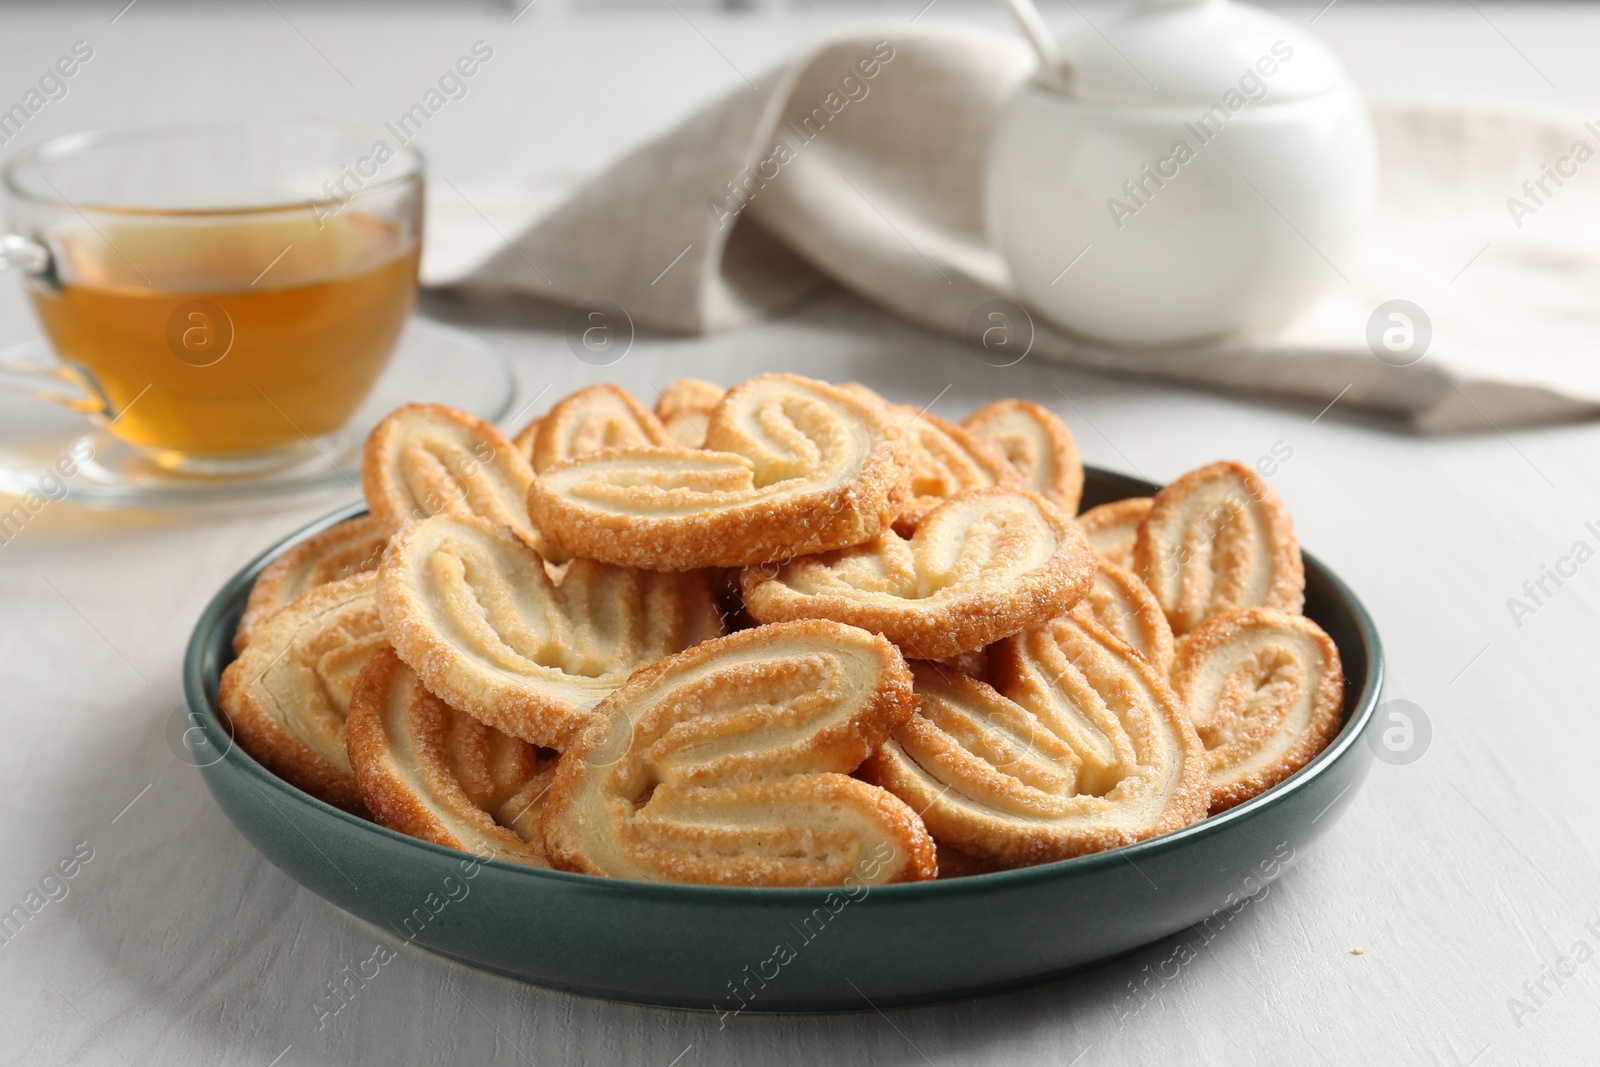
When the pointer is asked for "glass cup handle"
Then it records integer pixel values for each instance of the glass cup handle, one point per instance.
(57, 384)
(26, 254)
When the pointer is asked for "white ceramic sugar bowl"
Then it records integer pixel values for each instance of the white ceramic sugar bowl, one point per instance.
(1189, 170)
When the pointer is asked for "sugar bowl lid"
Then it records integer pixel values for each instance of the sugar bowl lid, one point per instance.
(1166, 52)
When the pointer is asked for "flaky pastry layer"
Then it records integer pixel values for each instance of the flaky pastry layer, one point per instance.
(684, 408)
(476, 613)
(1119, 601)
(729, 764)
(946, 459)
(340, 551)
(1219, 539)
(981, 566)
(591, 419)
(288, 695)
(1037, 444)
(1080, 745)
(429, 771)
(429, 459)
(1113, 528)
(790, 467)
(1265, 690)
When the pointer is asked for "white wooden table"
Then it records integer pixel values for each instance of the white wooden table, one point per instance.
(1468, 877)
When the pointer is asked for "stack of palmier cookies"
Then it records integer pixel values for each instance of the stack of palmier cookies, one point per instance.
(771, 635)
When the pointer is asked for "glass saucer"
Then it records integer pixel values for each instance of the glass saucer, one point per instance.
(40, 443)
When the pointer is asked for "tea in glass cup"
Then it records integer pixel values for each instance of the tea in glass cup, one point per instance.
(224, 296)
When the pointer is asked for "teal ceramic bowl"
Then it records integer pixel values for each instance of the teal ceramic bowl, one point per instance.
(729, 949)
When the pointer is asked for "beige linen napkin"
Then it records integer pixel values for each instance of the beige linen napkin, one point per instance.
(861, 163)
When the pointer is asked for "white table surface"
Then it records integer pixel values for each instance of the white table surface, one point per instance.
(1462, 875)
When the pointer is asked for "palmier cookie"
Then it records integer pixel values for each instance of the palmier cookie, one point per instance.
(1113, 528)
(476, 614)
(946, 460)
(341, 550)
(429, 771)
(428, 459)
(288, 695)
(729, 764)
(600, 416)
(1037, 444)
(1080, 745)
(790, 467)
(1119, 601)
(1215, 540)
(1265, 690)
(981, 566)
(684, 408)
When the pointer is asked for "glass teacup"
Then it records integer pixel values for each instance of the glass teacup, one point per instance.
(221, 298)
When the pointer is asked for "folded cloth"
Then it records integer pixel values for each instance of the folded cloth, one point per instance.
(861, 164)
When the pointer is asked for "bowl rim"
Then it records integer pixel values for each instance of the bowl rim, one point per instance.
(203, 714)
